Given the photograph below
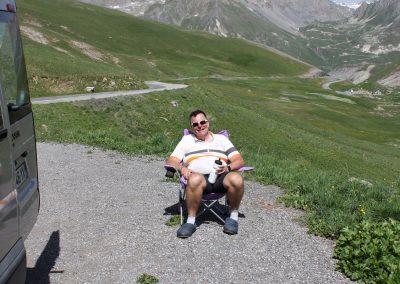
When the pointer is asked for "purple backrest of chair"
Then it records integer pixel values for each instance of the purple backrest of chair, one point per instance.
(245, 169)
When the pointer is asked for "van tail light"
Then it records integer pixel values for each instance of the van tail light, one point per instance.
(10, 8)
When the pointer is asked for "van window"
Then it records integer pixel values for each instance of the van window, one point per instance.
(12, 68)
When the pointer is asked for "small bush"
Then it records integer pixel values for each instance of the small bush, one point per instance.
(370, 252)
(147, 279)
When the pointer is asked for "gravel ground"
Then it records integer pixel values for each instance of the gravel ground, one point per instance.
(102, 220)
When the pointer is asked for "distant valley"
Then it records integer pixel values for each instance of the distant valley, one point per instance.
(320, 32)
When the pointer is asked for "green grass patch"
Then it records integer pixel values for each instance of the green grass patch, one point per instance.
(147, 279)
(173, 220)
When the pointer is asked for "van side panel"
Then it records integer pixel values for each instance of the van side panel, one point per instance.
(13, 266)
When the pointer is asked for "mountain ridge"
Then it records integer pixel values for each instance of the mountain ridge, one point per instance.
(307, 30)
(287, 14)
(271, 23)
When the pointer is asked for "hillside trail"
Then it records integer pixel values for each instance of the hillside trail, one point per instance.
(103, 215)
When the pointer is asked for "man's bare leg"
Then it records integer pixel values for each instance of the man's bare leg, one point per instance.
(234, 184)
(194, 192)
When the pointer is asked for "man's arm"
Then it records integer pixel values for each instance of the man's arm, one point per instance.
(174, 162)
(236, 162)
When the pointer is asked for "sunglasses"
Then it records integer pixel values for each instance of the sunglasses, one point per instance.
(195, 124)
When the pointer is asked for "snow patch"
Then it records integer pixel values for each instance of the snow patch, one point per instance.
(219, 28)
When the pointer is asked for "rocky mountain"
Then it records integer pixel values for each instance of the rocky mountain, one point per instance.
(272, 23)
(379, 24)
(134, 7)
(354, 4)
(320, 32)
(368, 43)
(372, 34)
(285, 14)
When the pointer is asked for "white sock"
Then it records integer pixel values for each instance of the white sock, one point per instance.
(235, 215)
(191, 220)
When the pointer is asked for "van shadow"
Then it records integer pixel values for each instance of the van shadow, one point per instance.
(46, 261)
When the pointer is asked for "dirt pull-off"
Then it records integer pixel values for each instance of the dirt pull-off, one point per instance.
(103, 215)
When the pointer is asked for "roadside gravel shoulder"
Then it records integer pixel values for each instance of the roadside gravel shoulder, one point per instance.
(103, 215)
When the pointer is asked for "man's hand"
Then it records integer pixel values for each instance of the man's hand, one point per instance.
(235, 163)
(222, 169)
(185, 172)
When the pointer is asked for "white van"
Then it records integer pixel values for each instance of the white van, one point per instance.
(19, 191)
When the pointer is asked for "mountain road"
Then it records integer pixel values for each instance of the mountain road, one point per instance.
(153, 87)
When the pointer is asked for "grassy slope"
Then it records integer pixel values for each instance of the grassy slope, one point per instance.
(145, 50)
(296, 134)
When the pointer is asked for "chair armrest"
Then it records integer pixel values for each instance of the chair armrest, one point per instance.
(245, 169)
(170, 171)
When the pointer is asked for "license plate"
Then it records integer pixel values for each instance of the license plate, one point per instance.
(22, 174)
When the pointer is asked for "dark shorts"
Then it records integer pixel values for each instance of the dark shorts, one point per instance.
(218, 186)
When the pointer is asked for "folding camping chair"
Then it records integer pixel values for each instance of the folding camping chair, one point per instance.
(209, 202)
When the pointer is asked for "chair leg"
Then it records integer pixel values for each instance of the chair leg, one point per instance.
(210, 206)
(217, 215)
(227, 206)
(181, 203)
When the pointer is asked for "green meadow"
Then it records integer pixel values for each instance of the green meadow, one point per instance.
(87, 43)
(334, 156)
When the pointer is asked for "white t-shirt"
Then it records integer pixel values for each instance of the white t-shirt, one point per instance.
(199, 156)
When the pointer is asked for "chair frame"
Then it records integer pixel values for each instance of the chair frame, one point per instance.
(209, 201)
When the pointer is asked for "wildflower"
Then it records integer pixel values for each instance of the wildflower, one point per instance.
(361, 210)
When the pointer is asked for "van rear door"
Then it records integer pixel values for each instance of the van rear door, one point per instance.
(9, 231)
(18, 115)
(8, 202)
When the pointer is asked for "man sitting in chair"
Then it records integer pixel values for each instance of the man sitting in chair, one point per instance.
(198, 152)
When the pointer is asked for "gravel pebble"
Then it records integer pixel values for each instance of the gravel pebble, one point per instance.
(102, 220)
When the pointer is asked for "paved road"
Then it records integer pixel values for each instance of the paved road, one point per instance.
(153, 87)
(327, 84)
(103, 215)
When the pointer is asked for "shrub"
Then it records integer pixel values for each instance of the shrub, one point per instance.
(147, 279)
(174, 220)
(370, 252)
